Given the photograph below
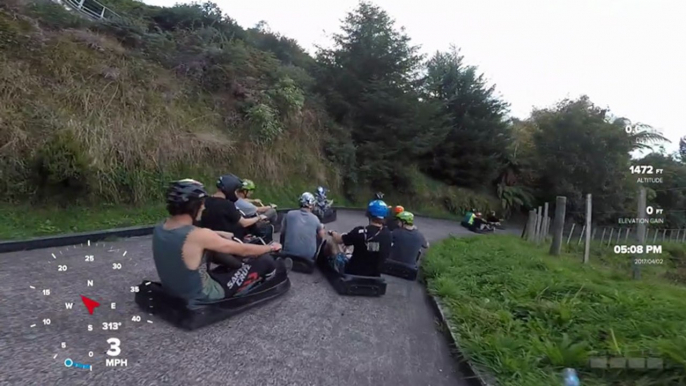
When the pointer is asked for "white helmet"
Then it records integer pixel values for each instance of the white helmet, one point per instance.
(306, 200)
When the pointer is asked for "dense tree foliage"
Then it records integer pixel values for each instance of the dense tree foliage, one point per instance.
(471, 153)
(369, 81)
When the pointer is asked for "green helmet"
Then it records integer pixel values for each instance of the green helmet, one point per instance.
(406, 218)
(248, 185)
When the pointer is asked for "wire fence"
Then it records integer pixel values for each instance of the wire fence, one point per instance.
(91, 9)
(638, 239)
(608, 235)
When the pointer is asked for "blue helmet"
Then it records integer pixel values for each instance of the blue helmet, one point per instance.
(320, 190)
(377, 209)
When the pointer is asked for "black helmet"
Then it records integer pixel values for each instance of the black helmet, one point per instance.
(378, 196)
(228, 184)
(185, 197)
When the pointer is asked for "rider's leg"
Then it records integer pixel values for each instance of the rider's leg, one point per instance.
(241, 280)
(263, 231)
(334, 255)
(225, 261)
(265, 261)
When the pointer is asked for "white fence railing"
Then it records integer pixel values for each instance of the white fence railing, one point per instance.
(91, 8)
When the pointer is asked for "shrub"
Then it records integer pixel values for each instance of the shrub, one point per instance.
(264, 125)
(62, 166)
(287, 97)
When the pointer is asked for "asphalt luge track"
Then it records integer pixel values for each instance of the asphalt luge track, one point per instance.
(310, 336)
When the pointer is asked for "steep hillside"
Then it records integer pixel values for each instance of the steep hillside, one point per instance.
(82, 115)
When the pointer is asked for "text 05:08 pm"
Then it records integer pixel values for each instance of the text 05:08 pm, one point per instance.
(637, 249)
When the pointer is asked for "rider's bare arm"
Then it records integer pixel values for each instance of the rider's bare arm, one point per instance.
(213, 242)
(226, 235)
(262, 209)
(246, 222)
(337, 237)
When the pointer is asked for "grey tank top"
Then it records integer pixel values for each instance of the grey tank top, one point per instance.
(176, 278)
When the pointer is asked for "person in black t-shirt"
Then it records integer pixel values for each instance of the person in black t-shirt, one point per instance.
(221, 213)
(372, 244)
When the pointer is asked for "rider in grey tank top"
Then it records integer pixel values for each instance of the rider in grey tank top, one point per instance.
(176, 278)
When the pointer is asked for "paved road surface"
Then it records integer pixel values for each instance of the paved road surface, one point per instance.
(310, 336)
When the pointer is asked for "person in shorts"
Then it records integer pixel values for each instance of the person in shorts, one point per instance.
(371, 244)
(178, 248)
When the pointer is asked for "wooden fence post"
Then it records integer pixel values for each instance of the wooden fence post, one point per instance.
(643, 215)
(545, 221)
(539, 224)
(587, 247)
(559, 225)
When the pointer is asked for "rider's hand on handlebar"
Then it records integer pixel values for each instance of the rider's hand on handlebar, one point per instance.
(276, 247)
(263, 217)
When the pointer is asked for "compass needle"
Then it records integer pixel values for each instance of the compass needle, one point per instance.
(90, 304)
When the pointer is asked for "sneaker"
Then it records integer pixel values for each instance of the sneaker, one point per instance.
(288, 262)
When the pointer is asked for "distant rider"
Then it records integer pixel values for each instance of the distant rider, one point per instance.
(392, 222)
(301, 230)
(473, 221)
(407, 241)
(372, 244)
(178, 251)
(492, 219)
(321, 192)
(247, 205)
(262, 229)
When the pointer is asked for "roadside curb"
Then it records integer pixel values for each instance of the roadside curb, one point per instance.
(72, 239)
(473, 375)
(94, 236)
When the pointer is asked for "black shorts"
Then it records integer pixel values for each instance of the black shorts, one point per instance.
(240, 281)
(263, 231)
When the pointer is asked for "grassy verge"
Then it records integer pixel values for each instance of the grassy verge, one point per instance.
(525, 316)
(25, 221)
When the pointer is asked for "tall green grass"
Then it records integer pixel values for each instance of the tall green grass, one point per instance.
(524, 315)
